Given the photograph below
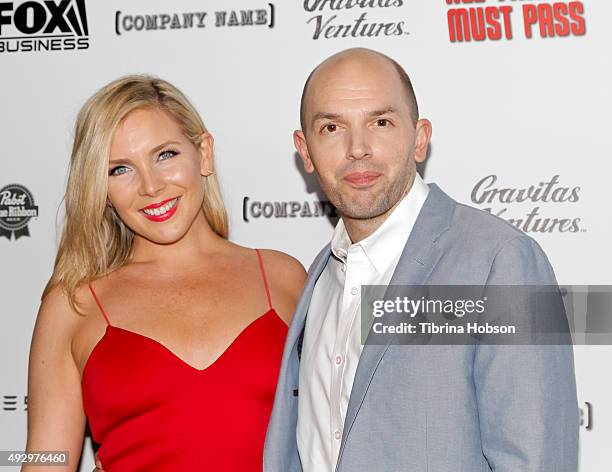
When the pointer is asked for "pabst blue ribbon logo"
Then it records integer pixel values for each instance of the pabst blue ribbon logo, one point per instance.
(17, 208)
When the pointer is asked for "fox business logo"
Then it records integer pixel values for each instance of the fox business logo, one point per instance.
(38, 26)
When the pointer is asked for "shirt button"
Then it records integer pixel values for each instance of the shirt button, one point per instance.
(354, 291)
(338, 360)
(337, 435)
(343, 268)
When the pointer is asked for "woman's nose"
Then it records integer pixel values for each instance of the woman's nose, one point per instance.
(151, 182)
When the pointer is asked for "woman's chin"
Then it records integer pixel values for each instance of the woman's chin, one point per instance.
(165, 236)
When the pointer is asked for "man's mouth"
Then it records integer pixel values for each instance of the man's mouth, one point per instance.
(362, 179)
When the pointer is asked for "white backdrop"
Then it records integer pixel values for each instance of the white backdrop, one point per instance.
(511, 112)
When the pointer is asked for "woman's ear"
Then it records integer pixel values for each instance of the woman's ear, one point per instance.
(206, 154)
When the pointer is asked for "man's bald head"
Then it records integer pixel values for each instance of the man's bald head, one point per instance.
(363, 55)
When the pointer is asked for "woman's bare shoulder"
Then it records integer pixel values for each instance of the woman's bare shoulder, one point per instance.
(54, 330)
(284, 265)
(287, 277)
(56, 315)
(55, 308)
(274, 261)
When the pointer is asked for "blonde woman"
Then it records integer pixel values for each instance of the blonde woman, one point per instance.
(163, 334)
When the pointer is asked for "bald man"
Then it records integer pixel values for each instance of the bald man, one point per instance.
(344, 406)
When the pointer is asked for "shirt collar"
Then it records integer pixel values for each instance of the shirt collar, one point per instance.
(385, 245)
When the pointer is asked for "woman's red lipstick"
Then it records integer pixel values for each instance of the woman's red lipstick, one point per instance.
(163, 216)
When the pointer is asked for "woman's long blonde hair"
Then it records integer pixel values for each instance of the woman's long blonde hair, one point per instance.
(94, 240)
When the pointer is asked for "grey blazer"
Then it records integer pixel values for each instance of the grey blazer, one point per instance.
(464, 408)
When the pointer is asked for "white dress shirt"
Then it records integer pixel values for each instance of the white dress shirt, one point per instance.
(332, 338)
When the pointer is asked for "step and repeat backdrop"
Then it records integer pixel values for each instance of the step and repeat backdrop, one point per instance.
(518, 93)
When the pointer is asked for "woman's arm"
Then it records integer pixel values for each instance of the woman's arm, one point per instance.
(56, 421)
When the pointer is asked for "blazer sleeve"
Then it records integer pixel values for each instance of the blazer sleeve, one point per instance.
(526, 394)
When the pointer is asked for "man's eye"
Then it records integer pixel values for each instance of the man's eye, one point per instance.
(382, 122)
(118, 170)
(167, 154)
(330, 128)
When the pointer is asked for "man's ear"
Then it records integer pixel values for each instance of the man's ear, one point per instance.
(299, 141)
(422, 138)
(206, 154)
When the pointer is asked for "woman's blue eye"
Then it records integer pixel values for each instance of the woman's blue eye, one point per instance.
(118, 170)
(167, 154)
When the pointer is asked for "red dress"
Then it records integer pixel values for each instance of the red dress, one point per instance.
(151, 411)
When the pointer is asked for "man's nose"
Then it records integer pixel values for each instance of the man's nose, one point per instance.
(359, 145)
(151, 182)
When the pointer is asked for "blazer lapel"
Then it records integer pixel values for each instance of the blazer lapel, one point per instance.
(299, 318)
(419, 257)
(289, 371)
(280, 448)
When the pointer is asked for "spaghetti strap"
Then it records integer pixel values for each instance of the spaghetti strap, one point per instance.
(98, 303)
(265, 280)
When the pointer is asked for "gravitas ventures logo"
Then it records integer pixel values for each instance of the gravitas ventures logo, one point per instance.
(338, 19)
(39, 26)
(533, 208)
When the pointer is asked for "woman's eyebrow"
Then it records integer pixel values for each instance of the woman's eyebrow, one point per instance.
(152, 151)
